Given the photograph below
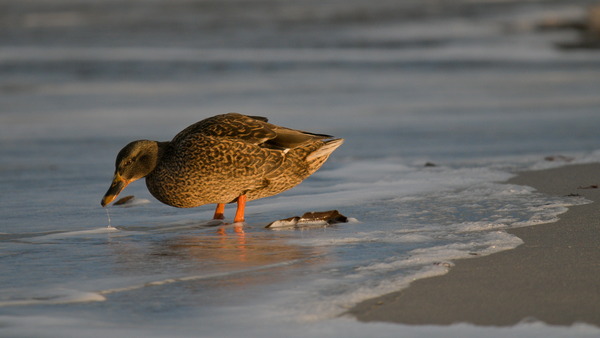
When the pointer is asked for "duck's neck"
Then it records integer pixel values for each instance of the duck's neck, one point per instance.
(162, 148)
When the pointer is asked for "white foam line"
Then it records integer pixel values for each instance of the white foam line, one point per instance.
(71, 297)
(195, 277)
(74, 296)
(67, 234)
(192, 225)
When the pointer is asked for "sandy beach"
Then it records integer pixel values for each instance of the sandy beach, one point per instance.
(554, 277)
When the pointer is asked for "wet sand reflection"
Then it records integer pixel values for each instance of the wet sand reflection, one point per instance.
(237, 255)
(231, 248)
(234, 247)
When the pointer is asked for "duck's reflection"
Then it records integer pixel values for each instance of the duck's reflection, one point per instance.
(238, 256)
(234, 247)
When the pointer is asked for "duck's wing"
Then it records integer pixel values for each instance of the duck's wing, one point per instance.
(237, 126)
(286, 138)
(251, 129)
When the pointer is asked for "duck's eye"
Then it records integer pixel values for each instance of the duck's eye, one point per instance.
(129, 162)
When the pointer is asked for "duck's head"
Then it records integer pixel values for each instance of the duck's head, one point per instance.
(135, 160)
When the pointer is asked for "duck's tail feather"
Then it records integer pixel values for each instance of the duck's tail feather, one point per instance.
(323, 152)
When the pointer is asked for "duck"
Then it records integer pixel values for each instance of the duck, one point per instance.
(227, 158)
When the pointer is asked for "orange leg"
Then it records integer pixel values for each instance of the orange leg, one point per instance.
(220, 211)
(239, 213)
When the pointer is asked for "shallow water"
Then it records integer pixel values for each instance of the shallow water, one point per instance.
(469, 86)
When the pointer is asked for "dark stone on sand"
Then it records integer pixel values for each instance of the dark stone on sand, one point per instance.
(331, 216)
(559, 158)
(309, 218)
(593, 186)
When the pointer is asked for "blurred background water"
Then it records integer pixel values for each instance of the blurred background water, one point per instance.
(475, 87)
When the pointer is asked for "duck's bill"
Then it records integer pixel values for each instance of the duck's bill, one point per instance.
(118, 184)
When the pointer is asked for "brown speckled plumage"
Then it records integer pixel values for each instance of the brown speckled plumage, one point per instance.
(221, 158)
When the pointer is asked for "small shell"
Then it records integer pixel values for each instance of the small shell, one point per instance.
(125, 200)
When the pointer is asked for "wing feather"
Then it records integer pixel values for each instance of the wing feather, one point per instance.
(251, 129)
(233, 126)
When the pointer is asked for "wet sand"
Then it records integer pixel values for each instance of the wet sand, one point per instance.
(553, 277)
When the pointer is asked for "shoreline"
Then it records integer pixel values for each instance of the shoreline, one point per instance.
(554, 277)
